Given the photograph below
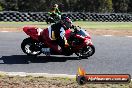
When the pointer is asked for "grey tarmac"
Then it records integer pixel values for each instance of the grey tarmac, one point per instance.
(113, 55)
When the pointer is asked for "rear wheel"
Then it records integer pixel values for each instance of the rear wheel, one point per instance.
(29, 47)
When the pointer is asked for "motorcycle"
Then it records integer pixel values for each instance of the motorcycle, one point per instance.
(39, 42)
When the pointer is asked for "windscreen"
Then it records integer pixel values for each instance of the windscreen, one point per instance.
(82, 33)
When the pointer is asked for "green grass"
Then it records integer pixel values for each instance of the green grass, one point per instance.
(21, 24)
(105, 25)
(83, 24)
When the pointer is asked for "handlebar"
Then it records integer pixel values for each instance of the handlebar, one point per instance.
(76, 28)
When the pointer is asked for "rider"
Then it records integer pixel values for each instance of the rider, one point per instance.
(55, 11)
(57, 32)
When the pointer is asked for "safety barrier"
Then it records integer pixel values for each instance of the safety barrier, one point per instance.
(75, 16)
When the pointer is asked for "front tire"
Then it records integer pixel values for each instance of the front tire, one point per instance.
(86, 51)
(91, 50)
(28, 47)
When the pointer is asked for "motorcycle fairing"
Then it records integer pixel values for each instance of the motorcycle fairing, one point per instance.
(31, 31)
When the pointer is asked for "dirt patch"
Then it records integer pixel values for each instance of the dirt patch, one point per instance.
(121, 32)
(110, 32)
(43, 82)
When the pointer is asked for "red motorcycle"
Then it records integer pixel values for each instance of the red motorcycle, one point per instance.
(39, 42)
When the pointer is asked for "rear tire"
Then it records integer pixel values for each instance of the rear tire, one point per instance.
(28, 47)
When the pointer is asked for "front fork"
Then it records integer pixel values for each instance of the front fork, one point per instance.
(84, 48)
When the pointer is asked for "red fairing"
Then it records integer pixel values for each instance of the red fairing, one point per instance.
(31, 31)
(68, 33)
(50, 43)
(86, 41)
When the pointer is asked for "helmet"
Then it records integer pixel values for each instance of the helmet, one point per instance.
(67, 23)
(56, 5)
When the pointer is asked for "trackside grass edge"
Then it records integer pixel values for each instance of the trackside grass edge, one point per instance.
(54, 82)
(83, 24)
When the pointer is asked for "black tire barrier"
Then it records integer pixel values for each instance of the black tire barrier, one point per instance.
(75, 16)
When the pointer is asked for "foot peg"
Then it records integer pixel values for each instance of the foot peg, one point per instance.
(46, 51)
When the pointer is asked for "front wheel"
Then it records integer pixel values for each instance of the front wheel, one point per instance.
(90, 50)
(86, 51)
(29, 47)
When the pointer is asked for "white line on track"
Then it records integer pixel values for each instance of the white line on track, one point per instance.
(4, 31)
(107, 35)
(36, 74)
(129, 36)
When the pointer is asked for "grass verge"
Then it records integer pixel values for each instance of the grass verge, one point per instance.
(105, 25)
(54, 82)
(94, 28)
(83, 24)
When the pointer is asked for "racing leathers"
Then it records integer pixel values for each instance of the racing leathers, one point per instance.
(57, 32)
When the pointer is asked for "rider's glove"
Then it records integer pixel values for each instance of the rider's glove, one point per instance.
(72, 26)
(66, 45)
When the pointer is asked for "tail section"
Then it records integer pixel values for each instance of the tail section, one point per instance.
(31, 31)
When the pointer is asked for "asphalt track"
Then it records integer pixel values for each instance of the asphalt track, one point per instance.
(113, 55)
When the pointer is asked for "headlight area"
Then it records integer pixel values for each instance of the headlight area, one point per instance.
(88, 41)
